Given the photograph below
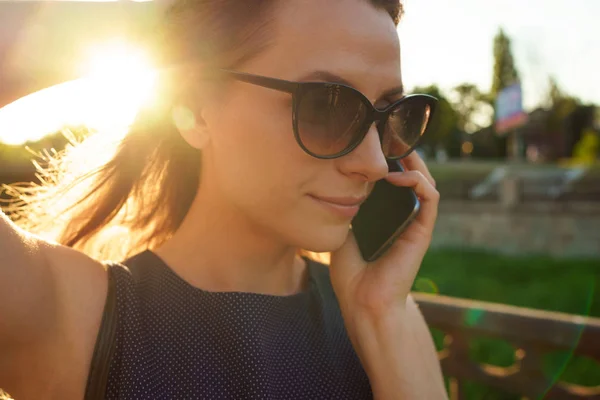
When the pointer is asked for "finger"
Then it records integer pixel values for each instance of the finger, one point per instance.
(414, 162)
(427, 194)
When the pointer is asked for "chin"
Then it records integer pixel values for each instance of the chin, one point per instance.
(321, 238)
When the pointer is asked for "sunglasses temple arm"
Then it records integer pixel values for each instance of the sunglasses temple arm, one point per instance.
(266, 82)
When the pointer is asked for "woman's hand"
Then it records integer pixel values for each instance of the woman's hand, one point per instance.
(384, 324)
(382, 286)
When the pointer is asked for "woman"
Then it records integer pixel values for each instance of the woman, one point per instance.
(217, 193)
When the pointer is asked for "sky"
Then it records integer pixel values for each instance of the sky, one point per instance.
(444, 42)
(449, 42)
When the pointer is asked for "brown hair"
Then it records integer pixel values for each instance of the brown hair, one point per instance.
(137, 194)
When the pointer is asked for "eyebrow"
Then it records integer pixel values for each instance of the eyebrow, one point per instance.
(334, 78)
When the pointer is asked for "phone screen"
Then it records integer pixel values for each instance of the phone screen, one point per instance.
(385, 214)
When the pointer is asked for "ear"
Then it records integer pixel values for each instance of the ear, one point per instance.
(191, 125)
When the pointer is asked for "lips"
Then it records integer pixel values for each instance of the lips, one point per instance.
(342, 201)
(345, 207)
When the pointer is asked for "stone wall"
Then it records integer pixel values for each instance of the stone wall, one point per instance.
(554, 228)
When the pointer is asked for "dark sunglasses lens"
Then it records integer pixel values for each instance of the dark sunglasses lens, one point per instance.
(405, 126)
(330, 119)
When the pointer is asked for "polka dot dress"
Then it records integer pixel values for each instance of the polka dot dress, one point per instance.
(175, 341)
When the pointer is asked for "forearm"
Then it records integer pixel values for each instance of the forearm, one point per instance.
(399, 358)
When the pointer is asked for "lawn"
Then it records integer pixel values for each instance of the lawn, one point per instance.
(571, 286)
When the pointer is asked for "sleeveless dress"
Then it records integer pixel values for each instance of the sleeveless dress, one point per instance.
(161, 338)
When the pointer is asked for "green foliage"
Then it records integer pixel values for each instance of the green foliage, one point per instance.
(555, 94)
(13, 155)
(505, 73)
(445, 121)
(560, 104)
(21, 156)
(587, 150)
(472, 108)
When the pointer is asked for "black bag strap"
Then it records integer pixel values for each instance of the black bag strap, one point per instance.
(105, 344)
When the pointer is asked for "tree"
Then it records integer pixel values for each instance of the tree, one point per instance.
(505, 73)
(578, 121)
(444, 124)
(554, 94)
(566, 118)
(587, 149)
(559, 103)
(472, 108)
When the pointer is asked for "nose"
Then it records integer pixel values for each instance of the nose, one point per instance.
(366, 161)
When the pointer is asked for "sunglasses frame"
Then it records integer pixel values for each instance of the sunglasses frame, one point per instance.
(374, 115)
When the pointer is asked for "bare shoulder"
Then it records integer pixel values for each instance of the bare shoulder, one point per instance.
(80, 283)
(41, 280)
(67, 262)
(56, 315)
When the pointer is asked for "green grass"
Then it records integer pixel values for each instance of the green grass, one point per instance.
(566, 285)
(540, 282)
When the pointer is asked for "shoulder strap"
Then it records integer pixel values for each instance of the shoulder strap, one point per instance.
(329, 302)
(320, 274)
(105, 344)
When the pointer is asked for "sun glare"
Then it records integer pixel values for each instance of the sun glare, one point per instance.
(117, 79)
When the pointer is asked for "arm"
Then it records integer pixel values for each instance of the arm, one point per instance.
(51, 301)
(26, 284)
(27, 306)
(400, 358)
(385, 326)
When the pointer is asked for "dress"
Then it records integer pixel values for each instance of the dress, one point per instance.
(162, 338)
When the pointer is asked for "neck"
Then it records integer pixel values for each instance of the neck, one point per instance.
(218, 249)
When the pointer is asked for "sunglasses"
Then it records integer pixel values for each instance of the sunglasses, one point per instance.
(331, 119)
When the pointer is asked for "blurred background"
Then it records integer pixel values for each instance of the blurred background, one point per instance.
(515, 152)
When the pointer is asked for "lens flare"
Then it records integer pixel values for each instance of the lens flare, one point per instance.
(117, 80)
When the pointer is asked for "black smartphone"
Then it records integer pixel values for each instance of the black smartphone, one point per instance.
(386, 213)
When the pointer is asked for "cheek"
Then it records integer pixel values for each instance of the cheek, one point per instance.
(258, 160)
(263, 172)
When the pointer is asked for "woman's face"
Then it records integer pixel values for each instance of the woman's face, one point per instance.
(252, 155)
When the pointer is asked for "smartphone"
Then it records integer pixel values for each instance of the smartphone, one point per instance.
(386, 213)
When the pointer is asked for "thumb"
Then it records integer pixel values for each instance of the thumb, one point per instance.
(346, 263)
